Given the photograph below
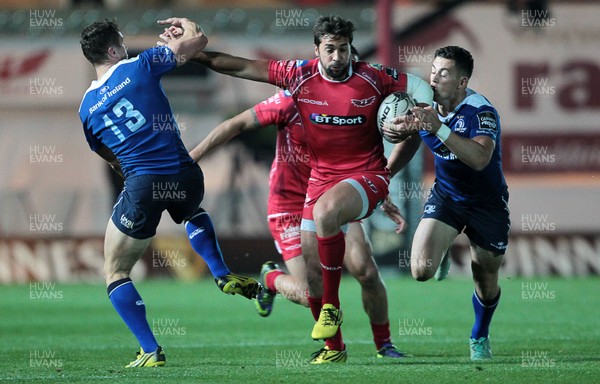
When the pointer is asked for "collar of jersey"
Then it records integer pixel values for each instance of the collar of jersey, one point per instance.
(108, 74)
(445, 119)
(335, 81)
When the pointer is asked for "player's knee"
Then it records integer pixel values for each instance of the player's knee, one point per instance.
(485, 270)
(485, 277)
(421, 266)
(113, 272)
(325, 216)
(367, 277)
(422, 274)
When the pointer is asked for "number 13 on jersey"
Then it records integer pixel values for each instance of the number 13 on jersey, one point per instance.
(134, 122)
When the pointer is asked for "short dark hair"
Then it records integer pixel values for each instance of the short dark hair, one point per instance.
(332, 25)
(96, 38)
(462, 58)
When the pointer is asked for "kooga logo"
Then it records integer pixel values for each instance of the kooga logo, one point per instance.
(314, 102)
(337, 120)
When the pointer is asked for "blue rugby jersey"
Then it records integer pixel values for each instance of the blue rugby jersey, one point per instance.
(474, 116)
(128, 112)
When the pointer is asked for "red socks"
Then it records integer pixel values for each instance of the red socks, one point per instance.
(381, 334)
(315, 306)
(336, 343)
(270, 279)
(331, 255)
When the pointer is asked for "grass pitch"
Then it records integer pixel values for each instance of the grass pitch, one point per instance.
(544, 331)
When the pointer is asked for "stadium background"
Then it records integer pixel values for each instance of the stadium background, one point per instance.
(538, 62)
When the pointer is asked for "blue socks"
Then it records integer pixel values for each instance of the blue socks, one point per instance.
(203, 239)
(484, 310)
(130, 306)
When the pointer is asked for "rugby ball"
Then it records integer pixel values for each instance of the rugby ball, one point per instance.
(394, 105)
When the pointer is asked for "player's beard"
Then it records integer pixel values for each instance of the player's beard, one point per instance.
(340, 74)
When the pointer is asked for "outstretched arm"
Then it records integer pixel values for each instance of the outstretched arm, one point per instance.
(227, 130)
(257, 70)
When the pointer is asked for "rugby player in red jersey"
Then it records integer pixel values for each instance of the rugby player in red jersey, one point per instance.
(288, 180)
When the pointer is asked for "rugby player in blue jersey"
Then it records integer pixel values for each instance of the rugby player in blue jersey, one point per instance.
(118, 112)
(469, 195)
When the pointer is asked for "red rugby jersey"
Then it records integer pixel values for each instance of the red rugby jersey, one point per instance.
(339, 117)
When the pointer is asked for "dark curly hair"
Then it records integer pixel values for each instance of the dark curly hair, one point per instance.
(96, 38)
(462, 58)
(332, 25)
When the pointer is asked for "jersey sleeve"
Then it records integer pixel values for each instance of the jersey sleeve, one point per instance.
(277, 110)
(84, 116)
(158, 60)
(283, 73)
(419, 90)
(485, 122)
(391, 79)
